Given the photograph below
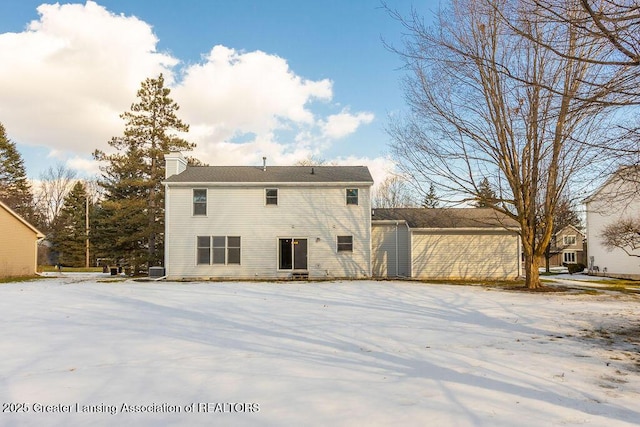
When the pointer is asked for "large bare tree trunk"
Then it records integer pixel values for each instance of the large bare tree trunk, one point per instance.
(491, 101)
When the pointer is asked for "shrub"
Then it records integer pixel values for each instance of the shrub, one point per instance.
(575, 268)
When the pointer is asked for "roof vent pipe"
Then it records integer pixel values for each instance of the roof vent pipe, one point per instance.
(264, 164)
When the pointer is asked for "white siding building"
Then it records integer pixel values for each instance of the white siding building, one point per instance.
(618, 198)
(242, 222)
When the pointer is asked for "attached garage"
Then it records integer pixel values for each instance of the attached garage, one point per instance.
(462, 244)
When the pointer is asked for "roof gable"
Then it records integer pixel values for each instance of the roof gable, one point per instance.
(11, 212)
(273, 174)
(614, 185)
(446, 217)
(569, 229)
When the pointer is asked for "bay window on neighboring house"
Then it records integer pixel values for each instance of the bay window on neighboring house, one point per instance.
(569, 257)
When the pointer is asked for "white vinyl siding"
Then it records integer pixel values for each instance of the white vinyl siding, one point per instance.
(603, 209)
(390, 249)
(464, 254)
(316, 213)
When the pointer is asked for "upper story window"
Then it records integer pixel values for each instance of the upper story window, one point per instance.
(568, 240)
(352, 196)
(271, 195)
(199, 202)
(345, 243)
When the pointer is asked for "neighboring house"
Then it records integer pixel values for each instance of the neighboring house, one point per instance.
(18, 244)
(568, 247)
(618, 198)
(445, 243)
(243, 222)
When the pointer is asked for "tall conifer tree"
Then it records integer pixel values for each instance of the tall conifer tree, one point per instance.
(131, 218)
(15, 190)
(486, 196)
(69, 233)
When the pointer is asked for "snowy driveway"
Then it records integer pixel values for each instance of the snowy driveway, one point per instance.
(77, 352)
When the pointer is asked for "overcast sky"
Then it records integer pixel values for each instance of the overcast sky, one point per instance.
(279, 78)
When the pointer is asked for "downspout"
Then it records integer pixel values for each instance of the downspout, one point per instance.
(519, 251)
(397, 272)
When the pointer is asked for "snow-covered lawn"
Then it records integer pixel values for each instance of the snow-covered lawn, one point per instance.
(314, 354)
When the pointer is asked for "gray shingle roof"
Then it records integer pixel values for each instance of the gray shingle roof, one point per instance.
(274, 174)
(446, 217)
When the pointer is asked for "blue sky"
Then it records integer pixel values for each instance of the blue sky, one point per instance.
(281, 78)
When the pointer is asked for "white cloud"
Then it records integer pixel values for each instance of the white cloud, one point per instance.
(66, 79)
(380, 167)
(247, 92)
(85, 166)
(340, 125)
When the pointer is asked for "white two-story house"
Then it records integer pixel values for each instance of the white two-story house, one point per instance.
(244, 222)
(618, 199)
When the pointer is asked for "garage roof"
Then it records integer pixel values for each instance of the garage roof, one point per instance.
(446, 217)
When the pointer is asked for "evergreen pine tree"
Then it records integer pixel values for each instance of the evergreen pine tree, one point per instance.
(68, 235)
(486, 196)
(15, 190)
(131, 216)
(431, 198)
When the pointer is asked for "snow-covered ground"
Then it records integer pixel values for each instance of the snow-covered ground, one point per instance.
(359, 353)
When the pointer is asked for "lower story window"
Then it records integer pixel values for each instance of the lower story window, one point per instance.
(345, 243)
(569, 257)
(204, 249)
(221, 250)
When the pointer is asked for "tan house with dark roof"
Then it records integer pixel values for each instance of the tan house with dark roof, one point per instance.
(18, 244)
(444, 243)
(567, 247)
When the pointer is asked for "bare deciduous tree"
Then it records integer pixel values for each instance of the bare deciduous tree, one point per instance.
(487, 101)
(55, 184)
(615, 23)
(393, 192)
(623, 234)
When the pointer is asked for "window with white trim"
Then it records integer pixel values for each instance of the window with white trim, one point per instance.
(271, 196)
(569, 240)
(203, 250)
(345, 243)
(352, 196)
(218, 250)
(569, 257)
(199, 202)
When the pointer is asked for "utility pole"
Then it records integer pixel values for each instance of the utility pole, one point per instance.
(87, 231)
